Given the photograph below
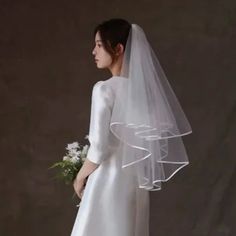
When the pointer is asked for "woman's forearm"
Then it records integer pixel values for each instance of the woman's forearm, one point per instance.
(87, 168)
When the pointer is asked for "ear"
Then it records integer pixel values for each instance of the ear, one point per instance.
(119, 49)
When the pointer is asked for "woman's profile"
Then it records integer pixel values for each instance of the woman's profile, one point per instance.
(135, 133)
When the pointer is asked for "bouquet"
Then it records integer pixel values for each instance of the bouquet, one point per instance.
(72, 162)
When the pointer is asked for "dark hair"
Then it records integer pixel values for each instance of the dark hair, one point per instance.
(112, 32)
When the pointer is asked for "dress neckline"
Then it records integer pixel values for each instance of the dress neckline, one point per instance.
(119, 77)
(116, 77)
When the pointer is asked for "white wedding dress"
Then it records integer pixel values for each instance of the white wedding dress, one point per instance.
(112, 203)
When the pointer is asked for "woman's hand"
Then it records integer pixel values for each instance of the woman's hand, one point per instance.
(79, 185)
(82, 176)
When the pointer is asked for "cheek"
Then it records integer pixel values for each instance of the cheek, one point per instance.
(106, 57)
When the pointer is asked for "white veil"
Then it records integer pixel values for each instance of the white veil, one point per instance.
(147, 116)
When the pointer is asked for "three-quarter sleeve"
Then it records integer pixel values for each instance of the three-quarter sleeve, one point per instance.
(99, 128)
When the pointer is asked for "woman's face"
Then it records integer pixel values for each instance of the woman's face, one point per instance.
(101, 56)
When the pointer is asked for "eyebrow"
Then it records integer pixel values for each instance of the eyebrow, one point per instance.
(98, 40)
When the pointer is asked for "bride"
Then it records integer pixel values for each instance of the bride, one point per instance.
(135, 131)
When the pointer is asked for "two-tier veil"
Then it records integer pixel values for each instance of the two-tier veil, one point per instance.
(147, 116)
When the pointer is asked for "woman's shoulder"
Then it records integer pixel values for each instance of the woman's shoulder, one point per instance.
(102, 89)
(104, 85)
(100, 86)
(109, 86)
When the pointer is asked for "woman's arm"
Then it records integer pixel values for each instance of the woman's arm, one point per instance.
(87, 168)
(99, 133)
(80, 180)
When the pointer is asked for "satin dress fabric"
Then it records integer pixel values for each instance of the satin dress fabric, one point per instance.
(112, 203)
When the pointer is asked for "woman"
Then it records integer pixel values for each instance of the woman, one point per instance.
(135, 134)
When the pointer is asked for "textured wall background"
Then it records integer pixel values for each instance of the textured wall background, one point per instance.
(46, 76)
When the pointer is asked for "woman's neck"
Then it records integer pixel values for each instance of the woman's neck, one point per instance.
(115, 69)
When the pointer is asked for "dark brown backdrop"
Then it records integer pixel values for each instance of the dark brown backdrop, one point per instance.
(46, 76)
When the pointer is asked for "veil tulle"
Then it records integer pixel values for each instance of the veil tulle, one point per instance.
(147, 116)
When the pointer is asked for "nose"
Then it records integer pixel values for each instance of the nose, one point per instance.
(93, 52)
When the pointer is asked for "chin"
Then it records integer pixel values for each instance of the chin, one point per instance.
(101, 67)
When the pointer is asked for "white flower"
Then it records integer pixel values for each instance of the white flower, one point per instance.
(73, 145)
(83, 158)
(73, 153)
(85, 149)
(84, 152)
(74, 159)
(66, 158)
